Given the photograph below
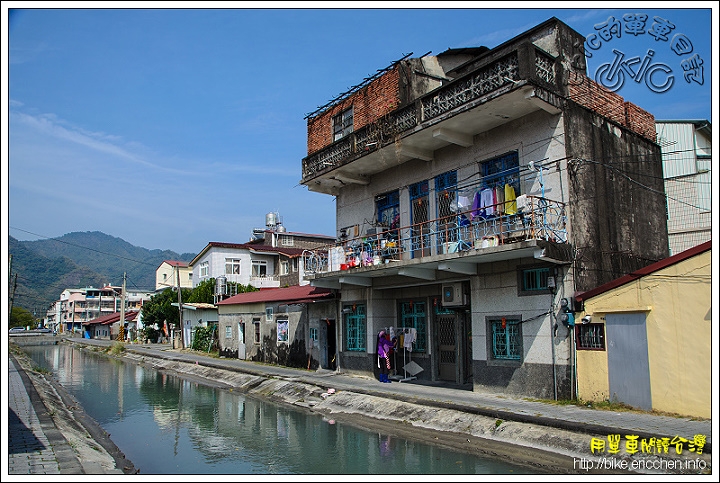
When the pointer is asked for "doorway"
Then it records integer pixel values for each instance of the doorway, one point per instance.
(331, 356)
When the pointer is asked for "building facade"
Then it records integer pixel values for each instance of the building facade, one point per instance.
(476, 192)
(172, 273)
(687, 159)
(646, 338)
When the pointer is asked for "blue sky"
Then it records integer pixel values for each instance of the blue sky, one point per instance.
(174, 128)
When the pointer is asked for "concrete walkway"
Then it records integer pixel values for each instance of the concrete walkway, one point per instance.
(35, 446)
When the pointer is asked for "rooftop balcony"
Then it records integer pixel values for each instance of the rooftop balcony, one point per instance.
(508, 85)
(454, 244)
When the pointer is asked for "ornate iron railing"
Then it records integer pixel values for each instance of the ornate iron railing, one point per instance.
(498, 74)
(535, 218)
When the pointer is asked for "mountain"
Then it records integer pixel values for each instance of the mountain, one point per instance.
(45, 268)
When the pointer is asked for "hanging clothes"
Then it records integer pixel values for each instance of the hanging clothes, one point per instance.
(510, 203)
(499, 199)
(409, 338)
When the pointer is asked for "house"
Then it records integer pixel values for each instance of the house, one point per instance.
(194, 315)
(646, 338)
(476, 191)
(108, 326)
(172, 273)
(687, 157)
(269, 260)
(292, 326)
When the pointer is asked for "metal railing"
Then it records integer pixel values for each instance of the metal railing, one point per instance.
(535, 218)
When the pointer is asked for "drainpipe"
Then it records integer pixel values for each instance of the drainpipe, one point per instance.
(553, 325)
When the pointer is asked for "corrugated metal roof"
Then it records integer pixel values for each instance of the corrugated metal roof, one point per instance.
(130, 315)
(297, 293)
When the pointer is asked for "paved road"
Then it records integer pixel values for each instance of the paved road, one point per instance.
(35, 446)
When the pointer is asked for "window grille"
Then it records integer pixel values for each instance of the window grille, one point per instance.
(420, 231)
(506, 339)
(342, 124)
(412, 314)
(501, 170)
(590, 337)
(256, 324)
(535, 280)
(355, 328)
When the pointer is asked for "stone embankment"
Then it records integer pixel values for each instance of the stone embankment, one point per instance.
(543, 449)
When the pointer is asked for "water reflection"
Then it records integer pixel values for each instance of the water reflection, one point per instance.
(169, 425)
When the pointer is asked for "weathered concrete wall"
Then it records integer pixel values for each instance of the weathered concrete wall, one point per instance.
(617, 203)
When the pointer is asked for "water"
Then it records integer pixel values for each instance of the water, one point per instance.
(169, 425)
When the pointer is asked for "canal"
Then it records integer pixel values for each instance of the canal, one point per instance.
(169, 425)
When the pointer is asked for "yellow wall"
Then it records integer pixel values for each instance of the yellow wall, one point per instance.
(677, 302)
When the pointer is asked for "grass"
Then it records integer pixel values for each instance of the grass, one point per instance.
(607, 405)
(116, 348)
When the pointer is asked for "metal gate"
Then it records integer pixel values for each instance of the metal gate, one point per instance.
(447, 346)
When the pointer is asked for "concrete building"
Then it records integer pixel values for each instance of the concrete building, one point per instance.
(477, 191)
(271, 258)
(687, 159)
(292, 326)
(646, 338)
(172, 273)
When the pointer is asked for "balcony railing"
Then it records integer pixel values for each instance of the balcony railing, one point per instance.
(464, 91)
(536, 218)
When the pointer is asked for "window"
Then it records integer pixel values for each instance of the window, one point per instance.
(590, 337)
(446, 206)
(533, 281)
(355, 327)
(388, 209)
(259, 268)
(506, 338)
(204, 269)
(342, 124)
(164, 277)
(412, 314)
(256, 326)
(228, 332)
(502, 170)
(269, 314)
(232, 266)
(314, 333)
(287, 241)
(284, 267)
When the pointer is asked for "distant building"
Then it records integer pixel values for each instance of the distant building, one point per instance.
(77, 306)
(166, 275)
(687, 158)
(271, 259)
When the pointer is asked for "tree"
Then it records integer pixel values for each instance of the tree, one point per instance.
(22, 318)
(160, 309)
(204, 292)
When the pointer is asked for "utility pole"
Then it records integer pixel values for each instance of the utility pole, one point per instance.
(122, 306)
(180, 309)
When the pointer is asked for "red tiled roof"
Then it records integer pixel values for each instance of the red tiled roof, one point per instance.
(296, 293)
(654, 267)
(109, 319)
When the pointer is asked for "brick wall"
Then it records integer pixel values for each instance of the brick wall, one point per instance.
(612, 106)
(369, 104)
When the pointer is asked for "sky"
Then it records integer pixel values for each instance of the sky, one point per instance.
(173, 128)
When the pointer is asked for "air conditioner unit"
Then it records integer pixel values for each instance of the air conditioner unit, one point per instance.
(452, 295)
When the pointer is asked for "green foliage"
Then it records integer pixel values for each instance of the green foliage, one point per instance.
(116, 348)
(22, 318)
(204, 338)
(81, 259)
(160, 309)
(149, 333)
(202, 293)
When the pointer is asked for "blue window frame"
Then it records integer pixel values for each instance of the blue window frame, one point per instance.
(355, 327)
(501, 170)
(533, 281)
(413, 314)
(506, 339)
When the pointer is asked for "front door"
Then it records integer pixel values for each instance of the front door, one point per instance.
(241, 340)
(628, 365)
(447, 345)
